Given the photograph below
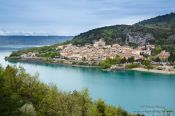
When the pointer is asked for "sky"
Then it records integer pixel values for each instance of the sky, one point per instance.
(71, 17)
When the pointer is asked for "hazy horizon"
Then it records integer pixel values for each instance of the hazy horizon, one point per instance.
(46, 17)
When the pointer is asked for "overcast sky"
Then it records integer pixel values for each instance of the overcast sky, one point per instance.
(71, 17)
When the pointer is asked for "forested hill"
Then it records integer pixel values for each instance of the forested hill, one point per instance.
(158, 30)
(165, 22)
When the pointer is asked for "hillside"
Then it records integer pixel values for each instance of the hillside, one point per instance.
(164, 22)
(158, 30)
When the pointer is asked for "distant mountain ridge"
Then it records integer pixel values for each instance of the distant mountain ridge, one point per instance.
(32, 40)
(158, 31)
(4, 32)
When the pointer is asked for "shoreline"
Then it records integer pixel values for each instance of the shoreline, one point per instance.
(154, 71)
(36, 61)
(86, 66)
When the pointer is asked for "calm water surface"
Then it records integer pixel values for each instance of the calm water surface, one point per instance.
(128, 89)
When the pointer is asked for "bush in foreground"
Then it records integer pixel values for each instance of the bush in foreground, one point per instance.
(23, 94)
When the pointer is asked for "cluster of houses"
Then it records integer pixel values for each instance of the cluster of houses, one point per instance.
(100, 51)
(28, 55)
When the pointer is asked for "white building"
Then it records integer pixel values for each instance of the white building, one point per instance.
(99, 44)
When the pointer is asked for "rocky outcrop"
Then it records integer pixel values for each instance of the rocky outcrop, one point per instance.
(138, 38)
(28, 110)
(172, 38)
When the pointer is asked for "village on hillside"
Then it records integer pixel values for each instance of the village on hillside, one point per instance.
(108, 57)
(100, 51)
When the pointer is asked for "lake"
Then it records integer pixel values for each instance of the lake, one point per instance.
(128, 89)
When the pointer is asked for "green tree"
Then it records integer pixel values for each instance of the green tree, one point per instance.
(156, 51)
(104, 64)
(147, 64)
(23, 94)
(157, 59)
(101, 107)
(131, 59)
(108, 62)
(123, 60)
(171, 59)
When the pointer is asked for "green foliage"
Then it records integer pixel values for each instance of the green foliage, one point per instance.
(104, 64)
(163, 22)
(157, 59)
(161, 27)
(105, 110)
(82, 63)
(108, 62)
(147, 64)
(123, 60)
(108, 33)
(156, 51)
(140, 115)
(101, 107)
(45, 51)
(171, 59)
(51, 54)
(131, 60)
(133, 65)
(133, 45)
(23, 94)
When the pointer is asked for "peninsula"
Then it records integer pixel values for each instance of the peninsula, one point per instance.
(144, 46)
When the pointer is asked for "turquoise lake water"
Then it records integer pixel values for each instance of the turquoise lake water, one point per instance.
(128, 89)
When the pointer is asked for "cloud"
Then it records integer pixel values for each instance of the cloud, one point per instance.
(72, 17)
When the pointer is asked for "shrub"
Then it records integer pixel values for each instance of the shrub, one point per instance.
(147, 64)
(23, 94)
(108, 62)
(156, 51)
(131, 59)
(133, 65)
(123, 60)
(104, 65)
